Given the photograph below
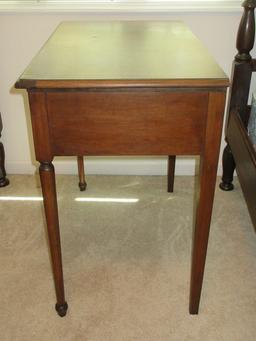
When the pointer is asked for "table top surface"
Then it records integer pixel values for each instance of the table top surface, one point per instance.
(141, 52)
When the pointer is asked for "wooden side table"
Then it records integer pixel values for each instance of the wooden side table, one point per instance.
(3, 179)
(126, 88)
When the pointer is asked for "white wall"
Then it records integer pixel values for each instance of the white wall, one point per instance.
(21, 35)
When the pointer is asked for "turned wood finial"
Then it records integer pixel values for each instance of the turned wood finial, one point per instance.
(246, 32)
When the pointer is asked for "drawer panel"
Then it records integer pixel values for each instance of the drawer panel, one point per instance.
(127, 122)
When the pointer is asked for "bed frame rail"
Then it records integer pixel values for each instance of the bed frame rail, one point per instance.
(245, 159)
(239, 152)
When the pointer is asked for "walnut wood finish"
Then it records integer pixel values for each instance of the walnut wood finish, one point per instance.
(160, 55)
(3, 179)
(205, 194)
(116, 83)
(138, 101)
(240, 85)
(47, 176)
(134, 122)
(245, 157)
(206, 129)
(82, 183)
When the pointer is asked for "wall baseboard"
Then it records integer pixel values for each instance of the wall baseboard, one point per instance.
(112, 166)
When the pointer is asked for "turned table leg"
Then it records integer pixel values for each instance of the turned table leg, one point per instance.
(228, 165)
(47, 176)
(82, 183)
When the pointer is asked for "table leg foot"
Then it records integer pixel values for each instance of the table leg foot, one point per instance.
(193, 310)
(82, 186)
(61, 309)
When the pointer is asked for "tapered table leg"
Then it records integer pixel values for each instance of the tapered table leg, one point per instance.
(204, 196)
(82, 183)
(204, 201)
(47, 176)
(170, 173)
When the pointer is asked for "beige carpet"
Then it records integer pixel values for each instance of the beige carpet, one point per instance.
(126, 265)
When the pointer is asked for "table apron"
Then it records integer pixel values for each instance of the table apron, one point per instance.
(119, 123)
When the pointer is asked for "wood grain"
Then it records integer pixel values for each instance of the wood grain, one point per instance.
(126, 88)
(86, 54)
(47, 176)
(245, 157)
(127, 123)
(204, 196)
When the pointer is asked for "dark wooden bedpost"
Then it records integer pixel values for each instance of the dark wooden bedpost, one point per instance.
(240, 84)
(3, 180)
(246, 32)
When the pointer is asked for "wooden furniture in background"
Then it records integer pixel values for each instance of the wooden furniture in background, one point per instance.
(126, 88)
(3, 179)
(239, 152)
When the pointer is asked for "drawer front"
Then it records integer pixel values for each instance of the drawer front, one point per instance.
(127, 123)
